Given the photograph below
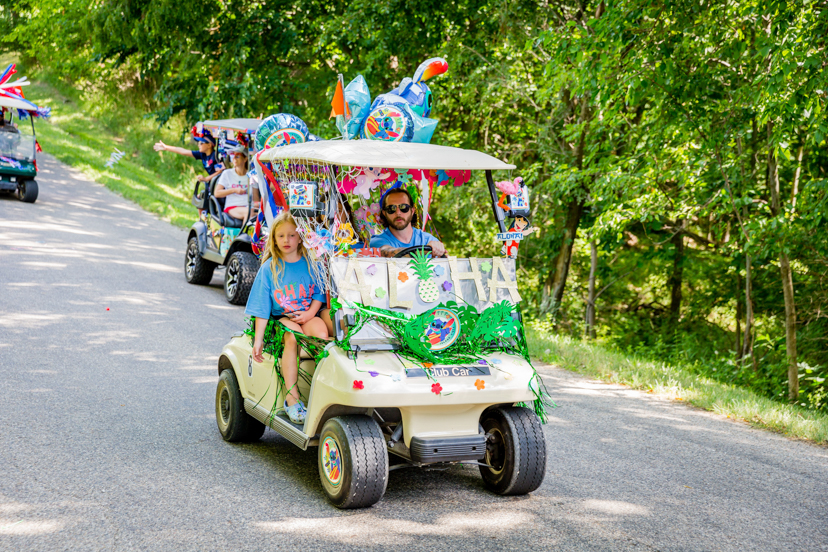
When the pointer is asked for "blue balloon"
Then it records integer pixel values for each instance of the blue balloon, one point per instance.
(280, 130)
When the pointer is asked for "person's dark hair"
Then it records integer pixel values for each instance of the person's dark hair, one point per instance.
(414, 221)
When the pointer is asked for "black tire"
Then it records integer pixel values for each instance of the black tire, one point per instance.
(233, 422)
(516, 450)
(197, 269)
(239, 275)
(27, 191)
(363, 466)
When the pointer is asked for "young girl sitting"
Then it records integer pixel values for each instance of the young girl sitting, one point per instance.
(285, 289)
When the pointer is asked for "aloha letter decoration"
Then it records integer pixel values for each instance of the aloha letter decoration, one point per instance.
(393, 279)
(506, 283)
(474, 275)
(360, 286)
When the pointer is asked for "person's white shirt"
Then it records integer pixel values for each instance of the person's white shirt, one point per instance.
(232, 180)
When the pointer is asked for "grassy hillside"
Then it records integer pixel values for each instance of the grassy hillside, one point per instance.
(85, 129)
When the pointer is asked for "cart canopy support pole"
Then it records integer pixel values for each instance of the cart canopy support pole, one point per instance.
(497, 212)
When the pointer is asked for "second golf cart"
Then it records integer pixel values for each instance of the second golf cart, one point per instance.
(216, 239)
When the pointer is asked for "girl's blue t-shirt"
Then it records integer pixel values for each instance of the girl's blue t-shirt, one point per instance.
(294, 291)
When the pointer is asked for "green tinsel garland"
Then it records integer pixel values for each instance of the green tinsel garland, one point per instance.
(495, 329)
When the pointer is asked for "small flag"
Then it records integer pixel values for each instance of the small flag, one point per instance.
(339, 107)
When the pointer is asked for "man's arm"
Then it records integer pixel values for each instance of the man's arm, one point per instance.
(161, 146)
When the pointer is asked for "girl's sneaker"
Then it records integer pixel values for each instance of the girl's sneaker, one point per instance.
(296, 412)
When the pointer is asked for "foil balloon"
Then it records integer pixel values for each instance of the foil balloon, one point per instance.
(280, 130)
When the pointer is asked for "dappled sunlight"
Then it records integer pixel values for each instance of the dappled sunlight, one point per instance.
(137, 298)
(43, 264)
(149, 266)
(616, 507)
(41, 226)
(388, 531)
(29, 321)
(221, 307)
(25, 527)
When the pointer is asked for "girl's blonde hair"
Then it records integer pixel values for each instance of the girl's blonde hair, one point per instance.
(272, 251)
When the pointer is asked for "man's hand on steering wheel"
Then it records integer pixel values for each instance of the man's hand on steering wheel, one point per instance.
(407, 251)
(437, 248)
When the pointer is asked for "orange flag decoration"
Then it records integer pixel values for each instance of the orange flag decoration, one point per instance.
(339, 106)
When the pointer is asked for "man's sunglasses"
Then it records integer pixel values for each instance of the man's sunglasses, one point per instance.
(391, 209)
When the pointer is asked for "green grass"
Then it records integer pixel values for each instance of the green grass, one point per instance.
(678, 383)
(85, 128)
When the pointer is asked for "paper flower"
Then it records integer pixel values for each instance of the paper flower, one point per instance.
(379, 292)
(369, 361)
(402, 276)
(447, 286)
(507, 375)
(459, 177)
(428, 364)
(371, 270)
(347, 185)
(480, 384)
(486, 266)
(439, 270)
(373, 374)
(358, 385)
(395, 377)
(436, 388)
(483, 362)
(495, 361)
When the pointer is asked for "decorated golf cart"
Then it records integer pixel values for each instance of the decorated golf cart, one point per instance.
(18, 143)
(429, 360)
(217, 239)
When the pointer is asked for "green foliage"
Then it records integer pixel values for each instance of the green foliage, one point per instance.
(650, 129)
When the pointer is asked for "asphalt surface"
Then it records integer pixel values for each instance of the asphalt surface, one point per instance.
(108, 438)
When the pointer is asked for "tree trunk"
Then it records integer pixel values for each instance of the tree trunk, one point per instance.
(747, 346)
(676, 278)
(590, 309)
(553, 289)
(787, 279)
(738, 320)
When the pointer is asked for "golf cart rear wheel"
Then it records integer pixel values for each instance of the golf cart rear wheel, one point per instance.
(515, 450)
(197, 269)
(233, 422)
(239, 275)
(27, 191)
(353, 461)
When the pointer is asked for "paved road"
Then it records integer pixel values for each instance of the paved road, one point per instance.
(108, 439)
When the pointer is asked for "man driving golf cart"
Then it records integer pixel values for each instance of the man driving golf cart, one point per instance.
(397, 214)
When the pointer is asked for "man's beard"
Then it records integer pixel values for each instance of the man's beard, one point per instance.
(400, 224)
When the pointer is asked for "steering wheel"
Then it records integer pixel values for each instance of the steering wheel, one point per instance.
(409, 250)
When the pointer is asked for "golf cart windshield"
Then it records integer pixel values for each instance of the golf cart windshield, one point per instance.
(381, 288)
(17, 143)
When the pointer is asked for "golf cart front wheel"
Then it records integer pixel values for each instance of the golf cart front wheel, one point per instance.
(239, 276)
(233, 422)
(515, 451)
(27, 191)
(197, 269)
(353, 461)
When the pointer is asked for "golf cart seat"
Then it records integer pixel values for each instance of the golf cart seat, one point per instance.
(204, 199)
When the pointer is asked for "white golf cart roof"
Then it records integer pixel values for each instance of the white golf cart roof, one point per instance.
(11, 103)
(248, 126)
(388, 155)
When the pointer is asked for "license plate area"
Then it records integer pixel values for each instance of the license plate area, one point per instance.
(466, 370)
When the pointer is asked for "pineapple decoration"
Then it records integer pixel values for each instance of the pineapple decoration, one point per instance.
(421, 264)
